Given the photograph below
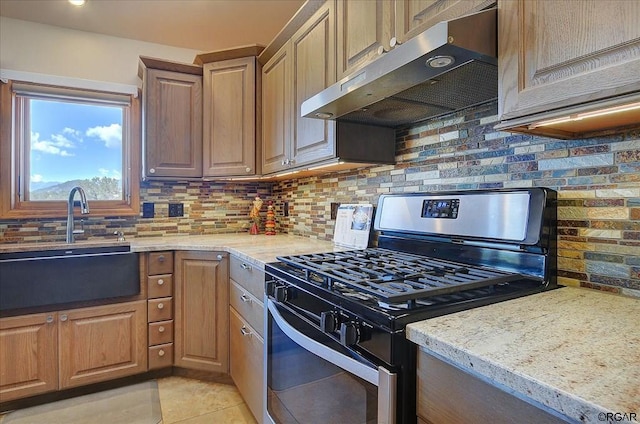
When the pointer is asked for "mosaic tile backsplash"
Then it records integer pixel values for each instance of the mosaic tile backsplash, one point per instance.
(597, 179)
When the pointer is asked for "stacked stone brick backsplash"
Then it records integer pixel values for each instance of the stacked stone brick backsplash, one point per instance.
(597, 179)
(209, 208)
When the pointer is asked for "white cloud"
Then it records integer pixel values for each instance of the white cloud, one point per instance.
(111, 135)
(53, 147)
(36, 178)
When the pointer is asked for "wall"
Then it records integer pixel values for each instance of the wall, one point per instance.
(209, 208)
(598, 184)
(45, 49)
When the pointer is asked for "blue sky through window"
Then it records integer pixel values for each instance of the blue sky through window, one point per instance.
(74, 141)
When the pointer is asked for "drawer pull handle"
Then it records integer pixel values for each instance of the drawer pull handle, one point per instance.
(220, 257)
(160, 305)
(63, 317)
(246, 267)
(161, 258)
(244, 331)
(161, 353)
(49, 319)
(245, 298)
(160, 282)
(160, 329)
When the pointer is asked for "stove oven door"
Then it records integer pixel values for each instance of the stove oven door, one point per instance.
(311, 378)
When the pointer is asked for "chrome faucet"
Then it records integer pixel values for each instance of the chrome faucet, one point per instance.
(84, 209)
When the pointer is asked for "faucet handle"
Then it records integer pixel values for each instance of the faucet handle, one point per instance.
(120, 235)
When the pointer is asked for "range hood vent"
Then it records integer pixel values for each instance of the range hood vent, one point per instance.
(450, 66)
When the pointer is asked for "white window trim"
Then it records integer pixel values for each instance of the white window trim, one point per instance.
(85, 84)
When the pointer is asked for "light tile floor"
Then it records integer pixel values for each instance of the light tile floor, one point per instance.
(188, 401)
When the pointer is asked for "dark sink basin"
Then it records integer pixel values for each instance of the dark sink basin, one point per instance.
(66, 275)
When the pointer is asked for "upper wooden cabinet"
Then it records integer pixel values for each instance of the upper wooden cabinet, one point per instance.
(367, 29)
(303, 66)
(230, 118)
(415, 16)
(201, 122)
(276, 111)
(172, 119)
(558, 59)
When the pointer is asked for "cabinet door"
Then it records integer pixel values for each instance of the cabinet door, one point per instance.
(102, 343)
(202, 311)
(28, 356)
(247, 362)
(276, 112)
(415, 16)
(555, 53)
(314, 68)
(173, 124)
(229, 117)
(364, 28)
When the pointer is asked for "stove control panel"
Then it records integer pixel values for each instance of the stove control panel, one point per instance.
(440, 208)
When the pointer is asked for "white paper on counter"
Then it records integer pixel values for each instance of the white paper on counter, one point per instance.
(353, 223)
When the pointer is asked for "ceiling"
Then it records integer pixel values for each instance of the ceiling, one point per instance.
(203, 25)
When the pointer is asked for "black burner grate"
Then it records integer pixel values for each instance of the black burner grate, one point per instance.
(393, 276)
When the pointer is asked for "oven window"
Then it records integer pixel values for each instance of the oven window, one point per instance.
(304, 388)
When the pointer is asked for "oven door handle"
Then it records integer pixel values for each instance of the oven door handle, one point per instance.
(348, 364)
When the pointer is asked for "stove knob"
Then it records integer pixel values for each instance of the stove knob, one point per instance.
(328, 321)
(349, 333)
(280, 293)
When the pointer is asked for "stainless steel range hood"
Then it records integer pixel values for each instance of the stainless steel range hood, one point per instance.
(450, 66)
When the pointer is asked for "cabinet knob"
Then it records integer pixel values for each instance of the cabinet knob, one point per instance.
(160, 305)
(160, 282)
(246, 267)
(161, 329)
(63, 317)
(394, 42)
(161, 258)
(152, 171)
(247, 169)
(220, 257)
(49, 319)
(161, 352)
(245, 298)
(244, 331)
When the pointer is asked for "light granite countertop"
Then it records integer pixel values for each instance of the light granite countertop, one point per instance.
(256, 249)
(574, 350)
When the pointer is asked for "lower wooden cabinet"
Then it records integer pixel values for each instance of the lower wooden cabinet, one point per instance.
(201, 321)
(246, 325)
(102, 343)
(247, 362)
(41, 353)
(449, 395)
(28, 355)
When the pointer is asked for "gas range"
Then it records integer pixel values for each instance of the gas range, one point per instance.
(436, 254)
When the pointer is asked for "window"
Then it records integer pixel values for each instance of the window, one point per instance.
(58, 138)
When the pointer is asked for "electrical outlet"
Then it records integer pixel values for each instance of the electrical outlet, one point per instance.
(176, 209)
(148, 210)
(334, 210)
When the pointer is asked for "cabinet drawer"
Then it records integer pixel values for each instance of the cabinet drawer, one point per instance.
(248, 306)
(248, 276)
(160, 332)
(160, 285)
(161, 356)
(160, 309)
(160, 263)
(246, 362)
